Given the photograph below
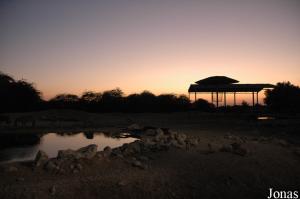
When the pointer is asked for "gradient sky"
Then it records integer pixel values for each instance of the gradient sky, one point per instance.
(70, 46)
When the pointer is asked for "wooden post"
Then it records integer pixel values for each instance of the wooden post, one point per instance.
(225, 99)
(253, 99)
(212, 97)
(217, 99)
(234, 101)
(257, 97)
(189, 96)
(195, 96)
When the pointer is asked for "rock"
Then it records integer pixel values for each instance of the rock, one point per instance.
(148, 142)
(159, 135)
(135, 146)
(226, 148)
(143, 158)
(78, 166)
(282, 143)
(123, 183)
(40, 158)
(84, 152)
(150, 132)
(134, 127)
(51, 166)
(192, 141)
(132, 148)
(117, 151)
(213, 147)
(88, 151)
(235, 138)
(174, 143)
(68, 154)
(52, 190)
(173, 134)
(138, 164)
(11, 169)
(239, 149)
(100, 154)
(72, 166)
(228, 136)
(75, 171)
(107, 151)
(159, 132)
(181, 138)
(263, 139)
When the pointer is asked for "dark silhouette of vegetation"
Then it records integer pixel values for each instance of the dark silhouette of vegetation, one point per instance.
(18, 95)
(203, 105)
(65, 101)
(143, 102)
(285, 97)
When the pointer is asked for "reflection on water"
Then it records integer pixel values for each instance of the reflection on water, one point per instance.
(265, 118)
(24, 147)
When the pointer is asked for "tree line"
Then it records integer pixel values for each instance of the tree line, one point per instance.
(20, 95)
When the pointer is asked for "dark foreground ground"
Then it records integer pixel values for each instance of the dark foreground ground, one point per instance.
(270, 160)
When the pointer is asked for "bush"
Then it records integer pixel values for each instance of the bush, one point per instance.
(284, 97)
(203, 105)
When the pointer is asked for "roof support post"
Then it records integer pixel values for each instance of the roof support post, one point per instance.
(253, 99)
(212, 97)
(217, 99)
(225, 99)
(189, 96)
(195, 96)
(234, 100)
(257, 97)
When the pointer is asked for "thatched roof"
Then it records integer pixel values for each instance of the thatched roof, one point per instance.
(217, 80)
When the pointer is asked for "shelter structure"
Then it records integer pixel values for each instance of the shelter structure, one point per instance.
(219, 86)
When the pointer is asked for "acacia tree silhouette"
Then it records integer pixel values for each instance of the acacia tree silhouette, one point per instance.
(112, 100)
(18, 95)
(67, 101)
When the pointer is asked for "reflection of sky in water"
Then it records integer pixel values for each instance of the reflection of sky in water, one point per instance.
(265, 118)
(52, 142)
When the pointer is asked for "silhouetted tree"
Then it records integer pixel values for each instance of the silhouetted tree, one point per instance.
(68, 101)
(112, 100)
(166, 102)
(91, 101)
(183, 103)
(284, 97)
(18, 95)
(91, 96)
(143, 102)
(203, 105)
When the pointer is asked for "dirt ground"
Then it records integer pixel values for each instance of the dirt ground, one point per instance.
(202, 171)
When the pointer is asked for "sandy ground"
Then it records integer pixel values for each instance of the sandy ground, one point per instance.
(202, 171)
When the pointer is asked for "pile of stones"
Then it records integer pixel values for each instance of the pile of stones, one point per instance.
(135, 153)
(66, 160)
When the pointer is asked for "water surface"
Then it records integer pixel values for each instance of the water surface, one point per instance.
(24, 147)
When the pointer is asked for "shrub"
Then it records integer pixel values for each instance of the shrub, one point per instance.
(284, 97)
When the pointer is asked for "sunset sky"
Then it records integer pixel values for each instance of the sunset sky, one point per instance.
(71, 46)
